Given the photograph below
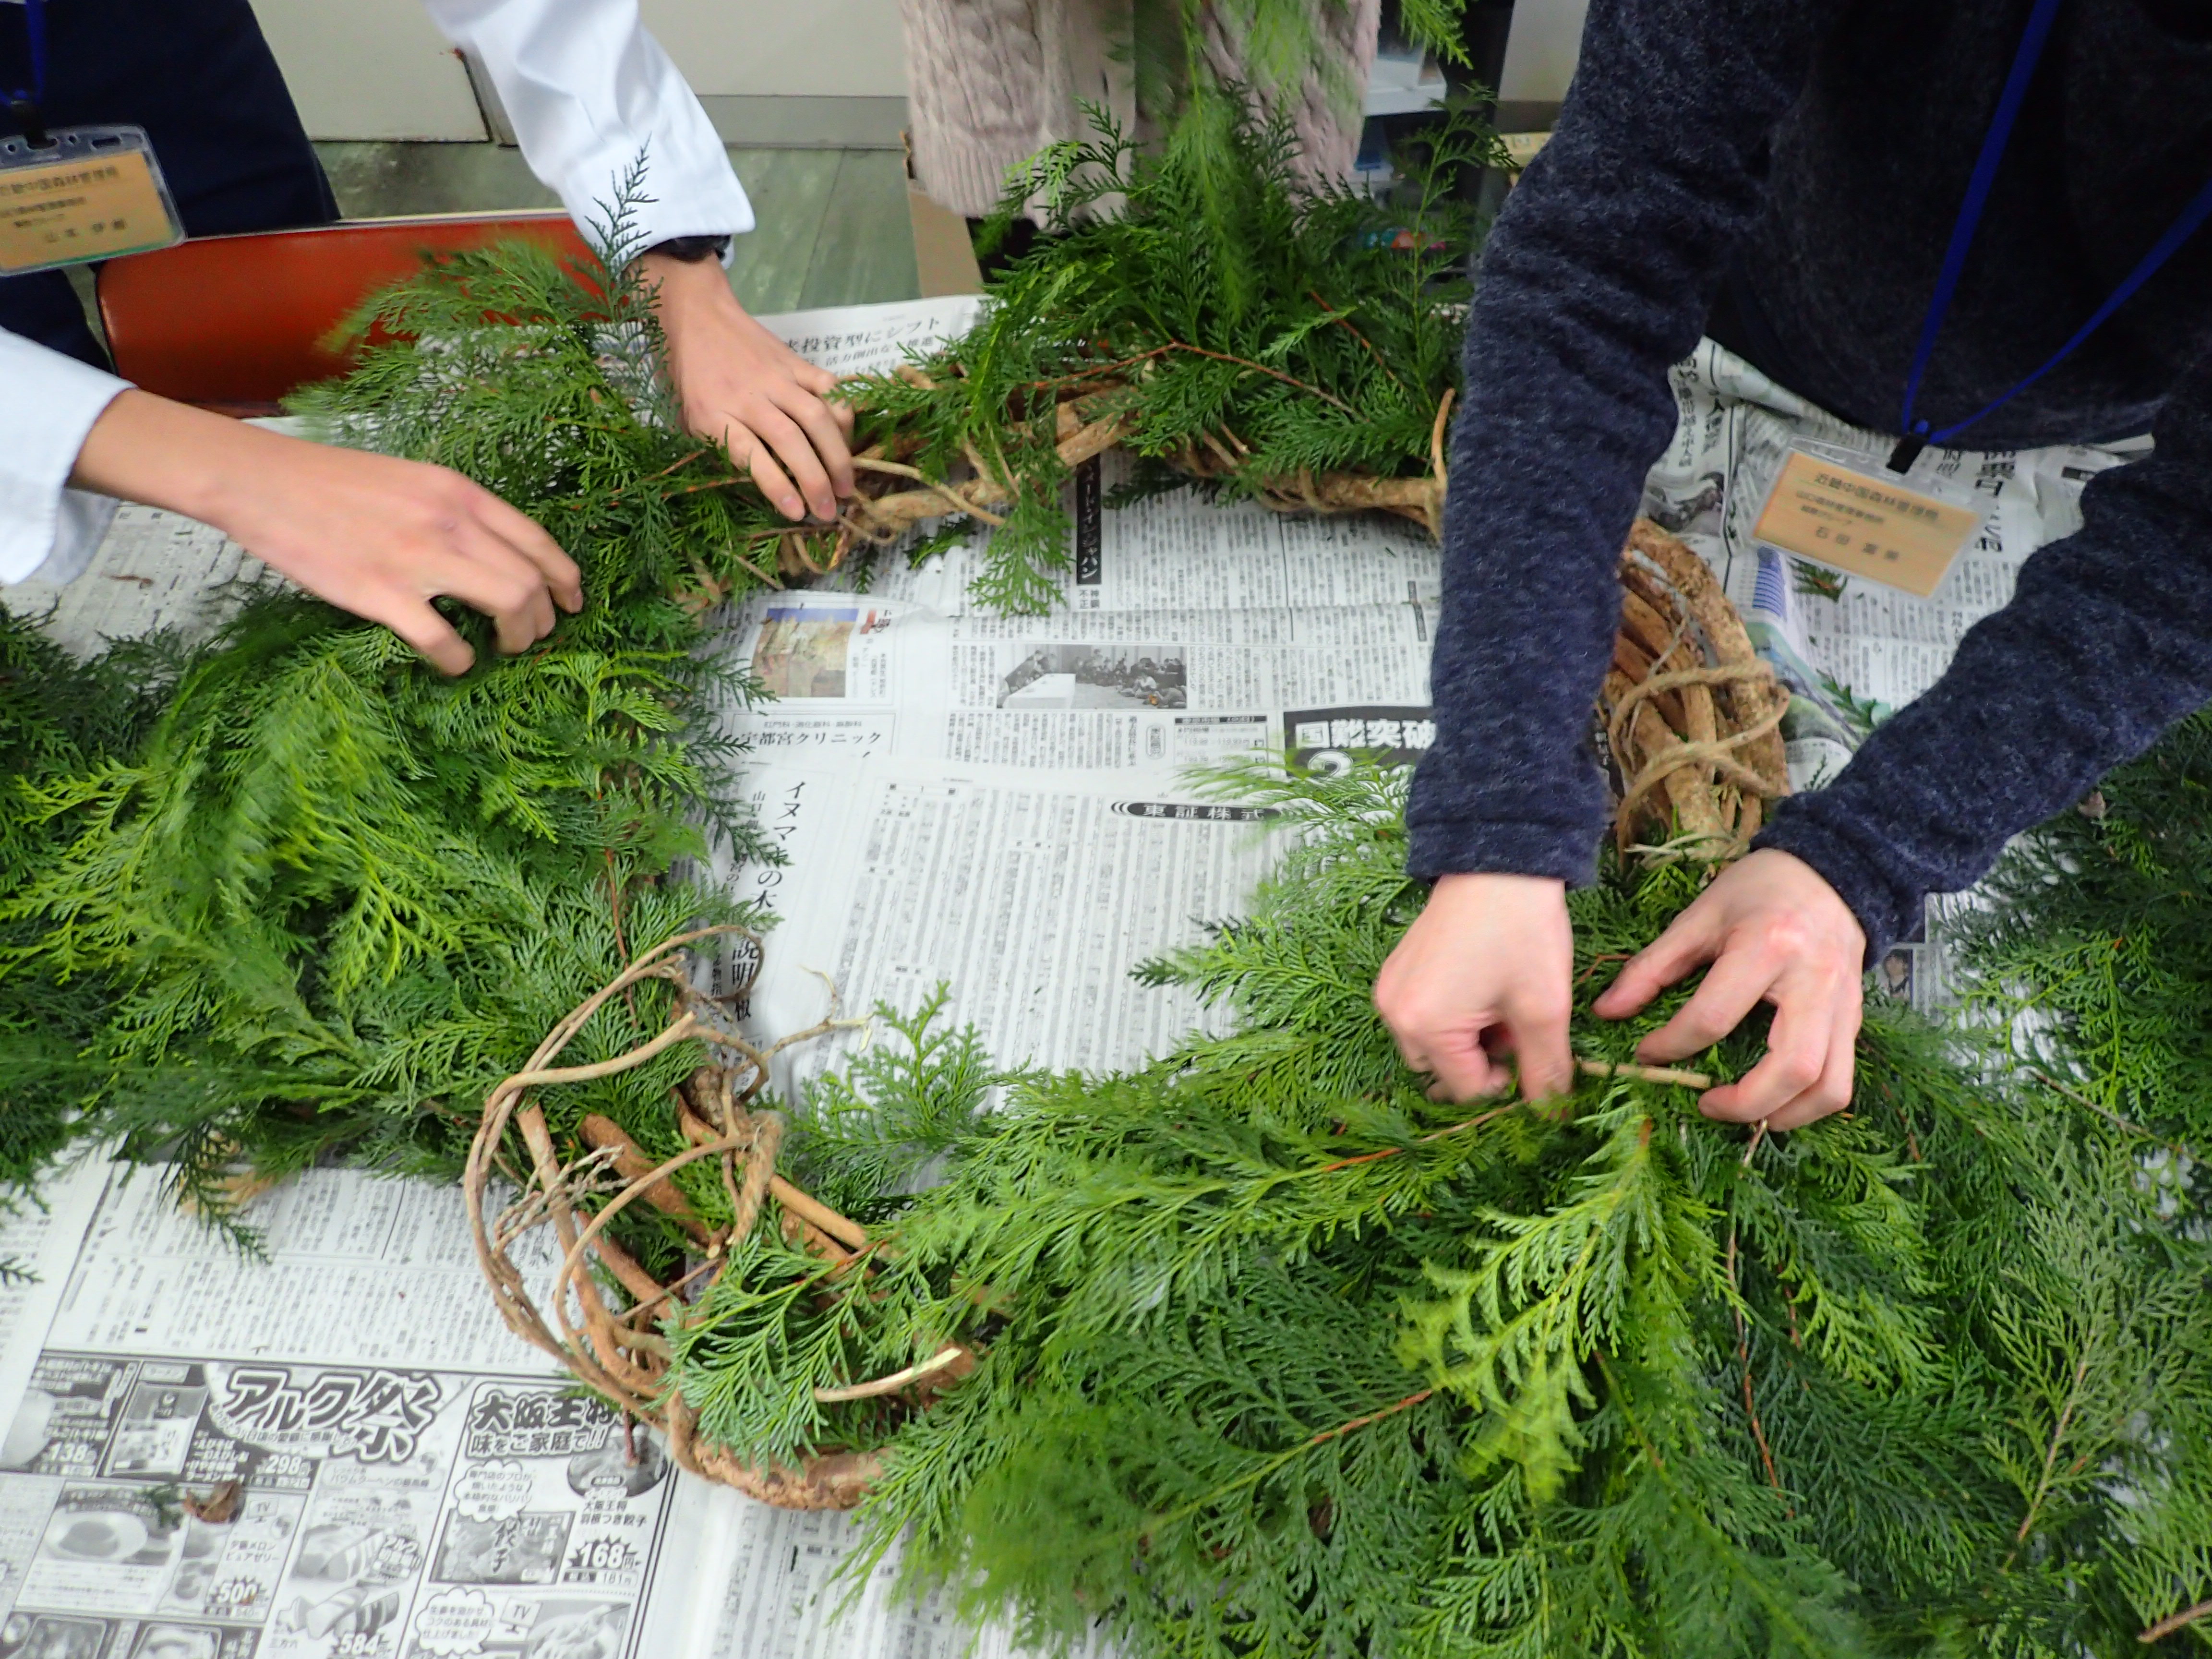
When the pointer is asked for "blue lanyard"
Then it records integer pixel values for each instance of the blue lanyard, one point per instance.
(24, 104)
(1917, 436)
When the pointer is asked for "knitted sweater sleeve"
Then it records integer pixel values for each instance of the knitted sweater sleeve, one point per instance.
(2107, 640)
(1598, 277)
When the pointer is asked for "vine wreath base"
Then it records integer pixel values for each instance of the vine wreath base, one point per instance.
(894, 496)
(1690, 713)
(621, 1354)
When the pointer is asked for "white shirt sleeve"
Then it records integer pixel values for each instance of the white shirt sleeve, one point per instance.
(587, 89)
(48, 402)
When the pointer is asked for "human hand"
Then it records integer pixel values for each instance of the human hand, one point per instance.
(1481, 974)
(1775, 932)
(740, 384)
(374, 535)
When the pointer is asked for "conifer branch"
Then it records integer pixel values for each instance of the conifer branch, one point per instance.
(1253, 1477)
(2051, 1457)
(1742, 1326)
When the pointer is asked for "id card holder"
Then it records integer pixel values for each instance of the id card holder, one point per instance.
(93, 193)
(1843, 507)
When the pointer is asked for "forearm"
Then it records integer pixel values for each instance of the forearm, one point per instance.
(145, 448)
(1598, 277)
(2106, 643)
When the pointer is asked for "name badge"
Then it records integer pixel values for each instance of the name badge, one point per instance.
(1840, 508)
(93, 193)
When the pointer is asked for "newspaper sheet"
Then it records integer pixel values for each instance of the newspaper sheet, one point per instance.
(38, 1244)
(1002, 805)
(1839, 641)
(339, 1450)
(994, 804)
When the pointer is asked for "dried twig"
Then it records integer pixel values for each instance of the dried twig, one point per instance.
(1262, 368)
(957, 502)
(1643, 1073)
(2174, 1621)
(943, 1359)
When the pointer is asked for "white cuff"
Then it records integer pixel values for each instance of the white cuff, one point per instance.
(587, 90)
(48, 402)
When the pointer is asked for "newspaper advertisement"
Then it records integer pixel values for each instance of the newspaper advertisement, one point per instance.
(337, 1450)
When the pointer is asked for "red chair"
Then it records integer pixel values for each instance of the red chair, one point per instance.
(234, 323)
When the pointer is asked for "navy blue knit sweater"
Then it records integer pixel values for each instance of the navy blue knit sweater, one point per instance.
(1806, 159)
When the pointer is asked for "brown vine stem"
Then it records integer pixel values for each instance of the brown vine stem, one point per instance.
(711, 483)
(959, 503)
(2114, 1118)
(1093, 373)
(1743, 1331)
(1343, 1429)
(1261, 368)
(1257, 1475)
(2174, 1621)
(1591, 1068)
(897, 1380)
(1344, 322)
(673, 466)
(1391, 1152)
(1599, 961)
(770, 580)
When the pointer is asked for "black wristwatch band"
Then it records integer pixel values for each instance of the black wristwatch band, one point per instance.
(691, 250)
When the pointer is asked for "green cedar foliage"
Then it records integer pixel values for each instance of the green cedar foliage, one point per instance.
(327, 897)
(1280, 1356)
(1281, 48)
(2090, 950)
(2094, 947)
(1181, 94)
(1219, 306)
(57, 718)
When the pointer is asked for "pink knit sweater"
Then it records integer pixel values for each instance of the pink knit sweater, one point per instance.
(993, 81)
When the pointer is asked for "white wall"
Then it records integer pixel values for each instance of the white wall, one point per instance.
(1541, 50)
(784, 48)
(369, 69)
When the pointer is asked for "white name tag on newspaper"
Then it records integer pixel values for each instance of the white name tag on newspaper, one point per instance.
(1845, 508)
